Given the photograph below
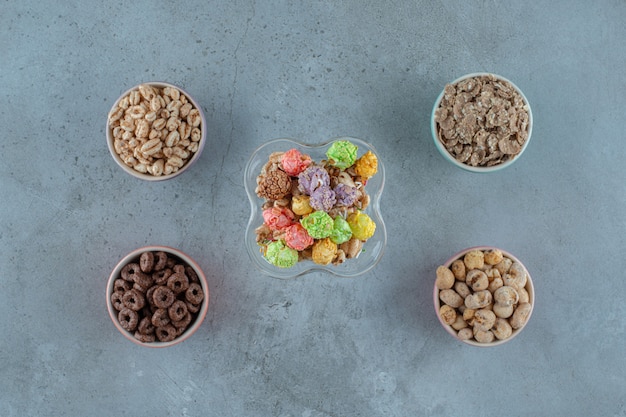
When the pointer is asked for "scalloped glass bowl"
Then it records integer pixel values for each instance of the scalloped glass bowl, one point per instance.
(450, 158)
(148, 177)
(529, 288)
(373, 248)
(133, 256)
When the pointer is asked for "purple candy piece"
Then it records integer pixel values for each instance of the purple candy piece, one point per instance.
(312, 178)
(346, 195)
(322, 199)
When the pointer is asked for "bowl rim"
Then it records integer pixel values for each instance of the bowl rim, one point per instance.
(134, 254)
(149, 177)
(444, 152)
(530, 288)
(255, 204)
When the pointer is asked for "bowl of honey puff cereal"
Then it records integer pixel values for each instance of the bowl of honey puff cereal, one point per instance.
(315, 207)
(483, 296)
(157, 296)
(155, 131)
(481, 122)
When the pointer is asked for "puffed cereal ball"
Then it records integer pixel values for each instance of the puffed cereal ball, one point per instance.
(474, 260)
(445, 278)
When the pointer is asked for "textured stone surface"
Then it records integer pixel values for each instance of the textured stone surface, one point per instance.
(317, 346)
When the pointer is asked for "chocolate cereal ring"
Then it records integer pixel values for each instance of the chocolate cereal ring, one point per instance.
(166, 333)
(171, 262)
(177, 311)
(149, 295)
(146, 326)
(121, 285)
(191, 273)
(183, 323)
(193, 308)
(128, 319)
(179, 269)
(160, 277)
(129, 270)
(142, 279)
(178, 283)
(145, 338)
(133, 300)
(160, 318)
(146, 262)
(194, 293)
(161, 261)
(163, 297)
(116, 300)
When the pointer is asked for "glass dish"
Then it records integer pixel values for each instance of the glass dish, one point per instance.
(373, 248)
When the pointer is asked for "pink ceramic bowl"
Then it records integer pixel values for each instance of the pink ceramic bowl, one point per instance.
(181, 258)
(455, 333)
(141, 173)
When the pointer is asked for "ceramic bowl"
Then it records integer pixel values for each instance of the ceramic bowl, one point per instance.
(373, 248)
(528, 287)
(435, 131)
(147, 176)
(181, 258)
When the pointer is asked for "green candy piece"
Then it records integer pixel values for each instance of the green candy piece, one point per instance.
(318, 224)
(281, 255)
(342, 154)
(341, 231)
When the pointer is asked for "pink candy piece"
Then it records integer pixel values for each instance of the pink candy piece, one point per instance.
(296, 237)
(277, 218)
(294, 162)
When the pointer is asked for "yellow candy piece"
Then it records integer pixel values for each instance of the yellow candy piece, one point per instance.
(367, 165)
(300, 205)
(324, 251)
(362, 226)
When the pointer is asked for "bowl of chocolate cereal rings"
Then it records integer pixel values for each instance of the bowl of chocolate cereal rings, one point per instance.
(157, 296)
(481, 122)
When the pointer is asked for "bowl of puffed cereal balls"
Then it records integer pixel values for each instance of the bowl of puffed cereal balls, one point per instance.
(483, 296)
(315, 207)
(155, 131)
(157, 296)
(481, 122)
